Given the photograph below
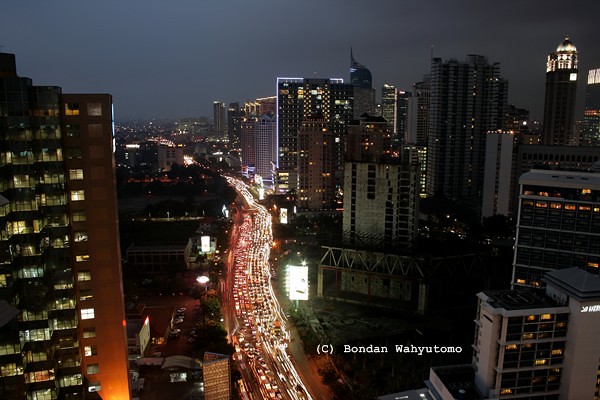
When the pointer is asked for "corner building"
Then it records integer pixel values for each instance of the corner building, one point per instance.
(60, 259)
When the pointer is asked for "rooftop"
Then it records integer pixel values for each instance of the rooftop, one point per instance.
(578, 283)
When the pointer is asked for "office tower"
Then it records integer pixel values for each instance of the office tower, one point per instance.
(234, 121)
(217, 376)
(468, 100)
(219, 117)
(561, 88)
(531, 344)
(558, 224)
(60, 247)
(364, 94)
(417, 130)
(265, 132)
(500, 152)
(247, 145)
(591, 116)
(298, 98)
(402, 104)
(388, 106)
(316, 165)
(380, 192)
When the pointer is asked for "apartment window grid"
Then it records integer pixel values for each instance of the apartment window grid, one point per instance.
(556, 233)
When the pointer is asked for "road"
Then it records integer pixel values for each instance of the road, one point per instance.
(254, 318)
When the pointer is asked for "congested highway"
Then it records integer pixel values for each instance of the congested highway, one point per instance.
(258, 329)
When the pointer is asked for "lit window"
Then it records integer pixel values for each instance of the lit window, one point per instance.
(570, 207)
(94, 109)
(77, 195)
(89, 351)
(79, 216)
(89, 333)
(511, 347)
(557, 352)
(87, 313)
(75, 174)
(82, 258)
(531, 318)
(85, 294)
(521, 281)
(71, 108)
(541, 361)
(94, 387)
(80, 236)
(593, 264)
(546, 316)
(83, 276)
(505, 391)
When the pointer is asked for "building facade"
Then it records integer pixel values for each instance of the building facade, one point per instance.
(558, 224)
(265, 132)
(531, 345)
(219, 117)
(468, 100)
(561, 90)
(316, 165)
(298, 98)
(61, 262)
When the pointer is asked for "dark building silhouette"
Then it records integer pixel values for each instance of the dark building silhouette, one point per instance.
(591, 117)
(561, 89)
(468, 100)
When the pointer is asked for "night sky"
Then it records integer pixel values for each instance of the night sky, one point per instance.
(171, 59)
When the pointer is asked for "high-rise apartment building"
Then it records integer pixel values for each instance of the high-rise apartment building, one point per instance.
(402, 105)
(235, 114)
(219, 117)
(316, 165)
(265, 132)
(561, 89)
(417, 129)
(299, 98)
(531, 345)
(61, 263)
(247, 145)
(591, 117)
(468, 100)
(500, 153)
(260, 106)
(558, 224)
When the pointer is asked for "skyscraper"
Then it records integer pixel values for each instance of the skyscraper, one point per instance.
(235, 114)
(561, 88)
(219, 117)
(265, 132)
(60, 248)
(388, 106)
(316, 164)
(363, 93)
(468, 100)
(298, 98)
(591, 117)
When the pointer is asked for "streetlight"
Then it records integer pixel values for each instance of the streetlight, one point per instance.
(203, 280)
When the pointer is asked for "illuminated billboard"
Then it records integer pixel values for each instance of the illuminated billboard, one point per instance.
(298, 282)
(205, 244)
(283, 215)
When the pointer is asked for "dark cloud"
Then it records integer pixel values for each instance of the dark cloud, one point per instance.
(173, 59)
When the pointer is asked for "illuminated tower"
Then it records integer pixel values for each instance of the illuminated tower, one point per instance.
(219, 116)
(388, 106)
(60, 258)
(561, 88)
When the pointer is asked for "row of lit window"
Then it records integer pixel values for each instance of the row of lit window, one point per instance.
(558, 206)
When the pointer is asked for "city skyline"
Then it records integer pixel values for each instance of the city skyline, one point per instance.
(173, 62)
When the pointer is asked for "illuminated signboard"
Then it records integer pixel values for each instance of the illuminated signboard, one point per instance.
(283, 218)
(205, 244)
(298, 282)
(594, 308)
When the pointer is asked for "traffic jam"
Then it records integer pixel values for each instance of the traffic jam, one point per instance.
(260, 335)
